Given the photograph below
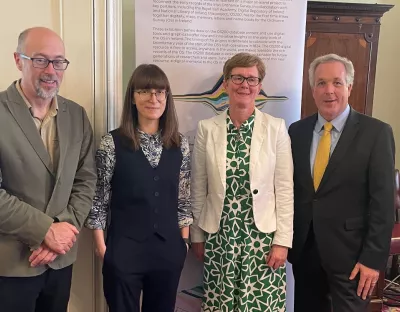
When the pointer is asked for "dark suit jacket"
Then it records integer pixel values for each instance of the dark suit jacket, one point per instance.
(352, 212)
(31, 195)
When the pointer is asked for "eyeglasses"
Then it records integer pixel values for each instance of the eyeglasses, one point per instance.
(146, 95)
(239, 79)
(41, 62)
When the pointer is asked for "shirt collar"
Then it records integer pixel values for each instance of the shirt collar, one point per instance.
(145, 136)
(53, 106)
(337, 123)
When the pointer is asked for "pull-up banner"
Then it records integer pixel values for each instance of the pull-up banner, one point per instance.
(191, 40)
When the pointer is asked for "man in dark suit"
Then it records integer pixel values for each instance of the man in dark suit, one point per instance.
(344, 186)
(47, 179)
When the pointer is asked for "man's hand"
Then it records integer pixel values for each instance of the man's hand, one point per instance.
(61, 237)
(41, 256)
(198, 249)
(277, 256)
(368, 280)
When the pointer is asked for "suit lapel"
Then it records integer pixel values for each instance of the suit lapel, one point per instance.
(305, 150)
(62, 133)
(257, 140)
(219, 135)
(23, 117)
(349, 132)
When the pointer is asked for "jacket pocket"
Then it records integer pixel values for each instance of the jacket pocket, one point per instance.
(355, 223)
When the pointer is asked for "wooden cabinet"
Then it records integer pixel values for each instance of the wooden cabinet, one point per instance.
(350, 30)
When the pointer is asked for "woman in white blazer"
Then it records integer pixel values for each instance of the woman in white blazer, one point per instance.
(242, 198)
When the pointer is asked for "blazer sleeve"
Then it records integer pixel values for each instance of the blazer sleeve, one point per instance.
(283, 181)
(21, 220)
(381, 192)
(198, 183)
(84, 185)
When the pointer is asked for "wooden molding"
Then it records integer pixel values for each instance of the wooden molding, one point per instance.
(339, 8)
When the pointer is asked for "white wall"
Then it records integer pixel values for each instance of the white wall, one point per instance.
(38, 13)
(128, 39)
(386, 99)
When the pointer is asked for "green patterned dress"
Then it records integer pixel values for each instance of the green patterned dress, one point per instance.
(236, 276)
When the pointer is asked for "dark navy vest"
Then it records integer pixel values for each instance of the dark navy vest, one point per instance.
(144, 200)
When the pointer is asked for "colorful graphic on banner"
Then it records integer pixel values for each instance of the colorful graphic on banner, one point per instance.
(217, 98)
(191, 40)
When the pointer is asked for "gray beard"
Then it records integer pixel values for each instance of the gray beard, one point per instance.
(40, 92)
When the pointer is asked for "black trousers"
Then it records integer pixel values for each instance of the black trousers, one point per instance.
(48, 292)
(153, 266)
(319, 289)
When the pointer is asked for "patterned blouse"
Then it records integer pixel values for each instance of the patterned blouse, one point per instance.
(239, 155)
(151, 146)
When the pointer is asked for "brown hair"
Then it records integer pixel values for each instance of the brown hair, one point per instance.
(149, 76)
(244, 60)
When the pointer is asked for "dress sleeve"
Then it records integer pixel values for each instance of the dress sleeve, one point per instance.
(185, 217)
(105, 162)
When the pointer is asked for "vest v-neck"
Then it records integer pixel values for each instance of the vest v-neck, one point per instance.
(148, 160)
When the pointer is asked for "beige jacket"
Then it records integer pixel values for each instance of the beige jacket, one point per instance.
(31, 194)
(271, 177)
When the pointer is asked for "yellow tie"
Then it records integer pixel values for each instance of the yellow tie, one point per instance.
(322, 156)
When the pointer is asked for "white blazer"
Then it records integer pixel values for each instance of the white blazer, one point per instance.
(271, 177)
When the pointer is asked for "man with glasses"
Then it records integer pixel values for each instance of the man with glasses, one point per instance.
(47, 176)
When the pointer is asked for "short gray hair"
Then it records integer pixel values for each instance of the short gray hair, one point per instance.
(21, 40)
(331, 58)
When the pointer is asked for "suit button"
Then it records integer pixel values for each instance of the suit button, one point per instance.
(156, 194)
(255, 192)
(155, 225)
(156, 178)
(156, 210)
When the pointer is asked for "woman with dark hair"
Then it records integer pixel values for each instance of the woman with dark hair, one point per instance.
(143, 199)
